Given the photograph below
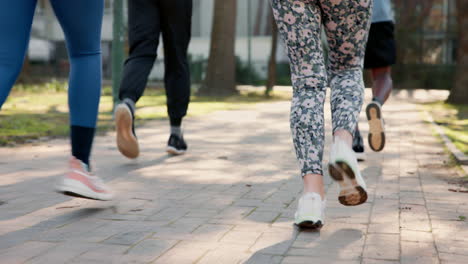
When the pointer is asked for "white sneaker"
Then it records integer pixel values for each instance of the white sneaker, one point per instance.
(310, 211)
(79, 182)
(344, 169)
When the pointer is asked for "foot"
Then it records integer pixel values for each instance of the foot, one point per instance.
(124, 122)
(358, 146)
(310, 211)
(344, 169)
(80, 182)
(176, 145)
(376, 126)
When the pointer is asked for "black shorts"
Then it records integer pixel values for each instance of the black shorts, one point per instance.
(381, 48)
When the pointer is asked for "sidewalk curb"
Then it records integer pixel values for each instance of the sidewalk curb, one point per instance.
(459, 156)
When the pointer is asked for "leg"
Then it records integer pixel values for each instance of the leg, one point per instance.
(346, 24)
(347, 37)
(380, 55)
(176, 21)
(15, 27)
(381, 90)
(383, 83)
(143, 38)
(81, 22)
(144, 30)
(299, 24)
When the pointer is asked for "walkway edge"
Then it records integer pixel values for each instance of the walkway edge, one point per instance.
(459, 156)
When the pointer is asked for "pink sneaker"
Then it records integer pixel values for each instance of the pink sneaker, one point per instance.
(80, 182)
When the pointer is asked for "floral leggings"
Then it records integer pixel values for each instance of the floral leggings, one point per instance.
(346, 25)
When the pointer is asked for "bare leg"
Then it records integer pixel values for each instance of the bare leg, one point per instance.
(383, 83)
(381, 90)
(344, 135)
(314, 183)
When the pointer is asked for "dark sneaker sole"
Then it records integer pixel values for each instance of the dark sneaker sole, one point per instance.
(376, 130)
(127, 143)
(351, 193)
(75, 189)
(175, 152)
(72, 194)
(310, 225)
(360, 156)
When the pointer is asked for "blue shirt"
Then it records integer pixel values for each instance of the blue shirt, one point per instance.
(382, 11)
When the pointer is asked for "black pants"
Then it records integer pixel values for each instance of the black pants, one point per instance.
(147, 19)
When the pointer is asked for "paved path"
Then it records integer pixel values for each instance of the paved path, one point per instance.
(231, 199)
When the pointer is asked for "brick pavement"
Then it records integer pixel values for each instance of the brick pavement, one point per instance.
(231, 199)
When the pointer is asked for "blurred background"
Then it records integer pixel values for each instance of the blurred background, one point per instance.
(426, 33)
(432, 53)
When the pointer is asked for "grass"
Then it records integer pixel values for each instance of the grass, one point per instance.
(454, 121)
(34, 112)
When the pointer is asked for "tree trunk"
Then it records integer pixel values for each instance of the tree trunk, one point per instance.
(410, 16)
(459, 92)
(25, 75)
(272, 62)
(258, 23)
(220, 77)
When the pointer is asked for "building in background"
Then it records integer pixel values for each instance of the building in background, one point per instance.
(48, 44)
(437, 44)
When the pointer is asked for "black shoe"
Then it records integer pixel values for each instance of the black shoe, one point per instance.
(358, 145)
(127, 142)
(176, 145)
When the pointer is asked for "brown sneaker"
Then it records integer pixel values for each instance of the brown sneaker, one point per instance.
(127, 142)
(376, 126)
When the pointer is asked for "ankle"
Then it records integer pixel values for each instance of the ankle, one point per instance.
(314, 183)
(176, 130)
(344, 136)
(378, 100)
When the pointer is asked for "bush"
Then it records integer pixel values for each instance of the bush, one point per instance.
(427, 76)
(53, 85)
(247, 75)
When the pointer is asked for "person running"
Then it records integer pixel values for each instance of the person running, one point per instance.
(346, 24)
(147, 20)
(81, 22)
(380, 55)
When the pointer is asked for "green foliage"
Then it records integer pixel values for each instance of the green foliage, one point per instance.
(426, 76)
(244, 75)
(283, 74)
(247, 75)
(197, 68)
(53, 85)
(37, 111)
(454, 120)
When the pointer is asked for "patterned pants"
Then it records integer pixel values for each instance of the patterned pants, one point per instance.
(346, 24)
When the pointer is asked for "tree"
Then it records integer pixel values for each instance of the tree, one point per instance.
(25, 75)
(271, 81)
(459, 92)
(220, 77)
(411, 15)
